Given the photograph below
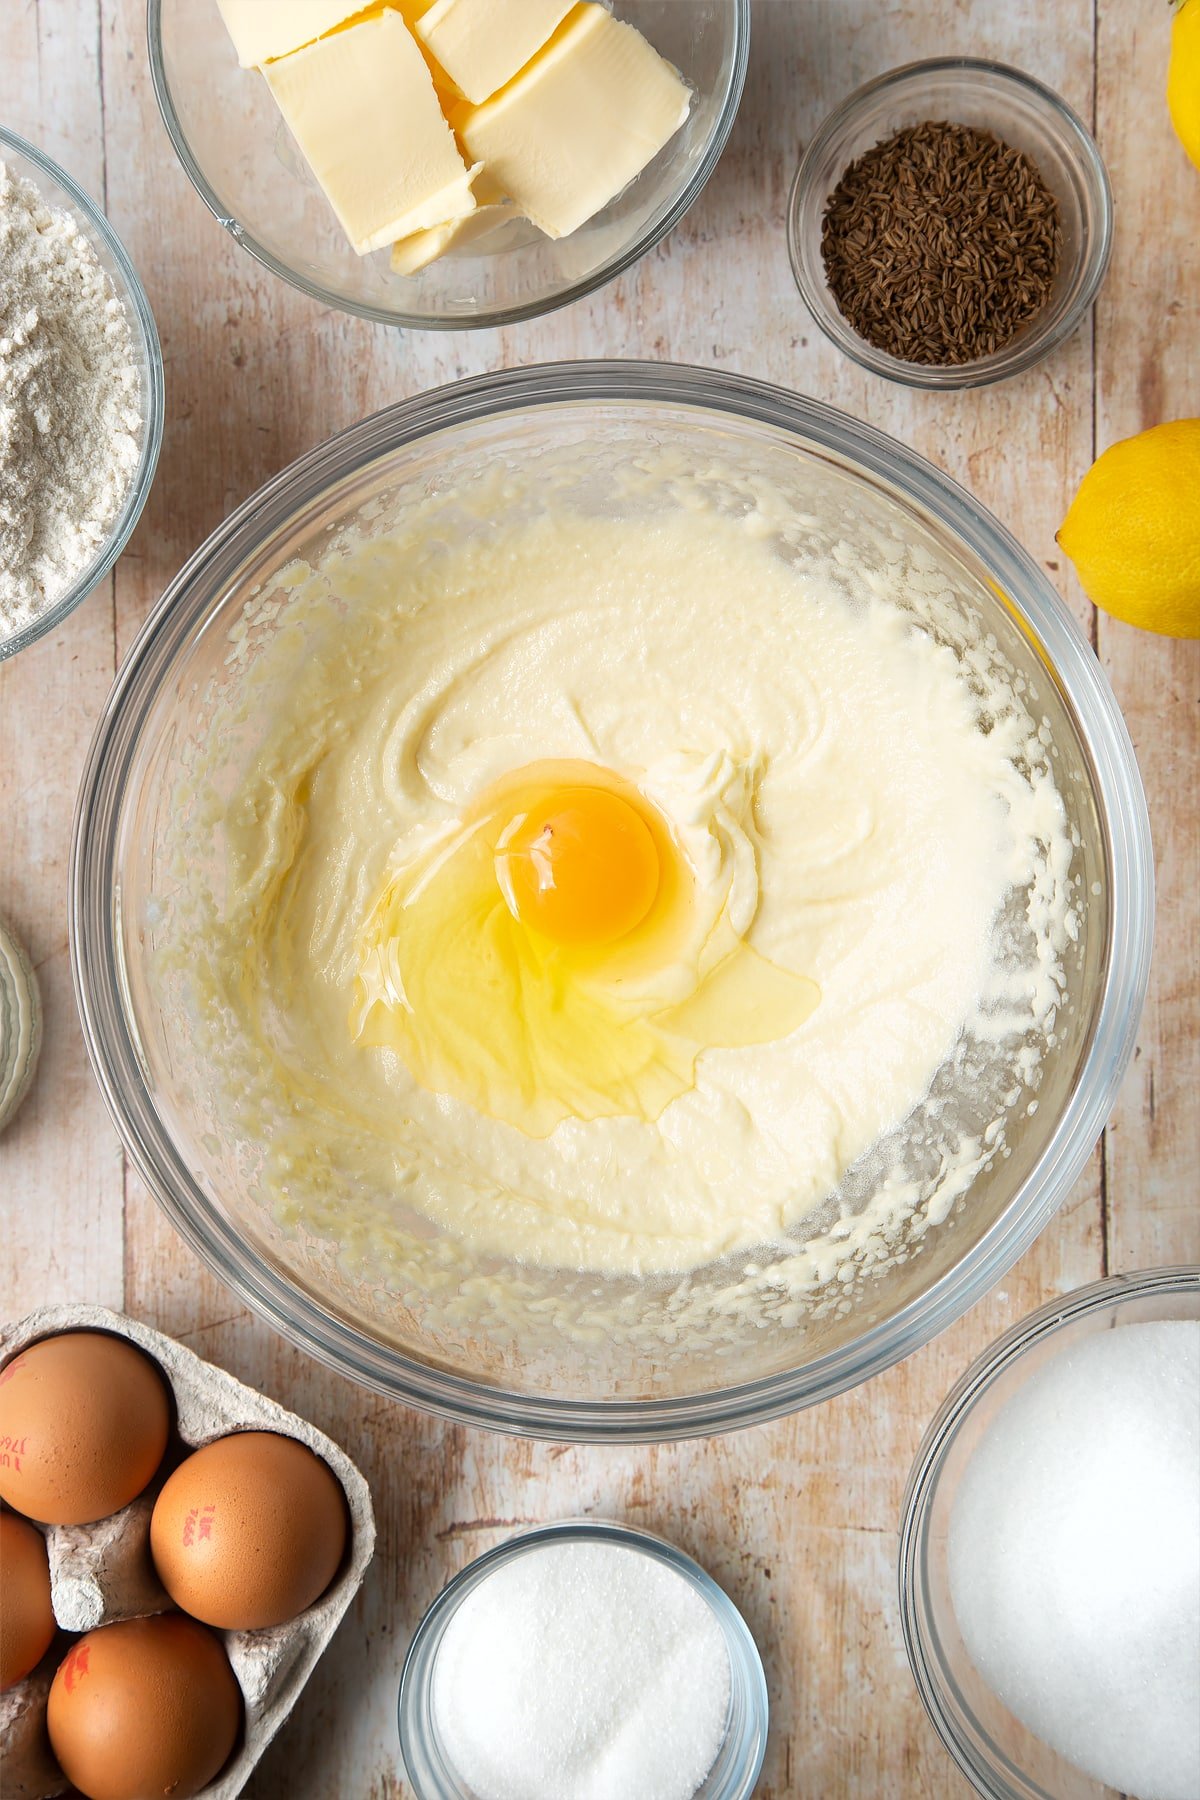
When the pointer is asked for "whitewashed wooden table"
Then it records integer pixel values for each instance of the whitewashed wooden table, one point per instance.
(797, 1519)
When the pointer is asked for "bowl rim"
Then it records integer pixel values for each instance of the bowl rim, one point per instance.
(497, 316)
(141, 323)
(1035, 344)
(988, 1367)
(112, 1046)
(745, 1662)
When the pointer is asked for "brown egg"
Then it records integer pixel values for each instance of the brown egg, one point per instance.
(145, 1707)
(249, 1531)
(83, 1427)
(26, 1615)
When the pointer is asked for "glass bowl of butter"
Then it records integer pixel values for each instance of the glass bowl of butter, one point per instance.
(610, 901)
(448, 163)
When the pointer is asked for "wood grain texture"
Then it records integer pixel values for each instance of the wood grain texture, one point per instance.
(1148, 370)
(797, 1519)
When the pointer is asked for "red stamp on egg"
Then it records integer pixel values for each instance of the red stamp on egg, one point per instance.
(198, 1524)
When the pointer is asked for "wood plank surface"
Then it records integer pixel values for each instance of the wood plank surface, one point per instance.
(798, 1519)
(1147, 370)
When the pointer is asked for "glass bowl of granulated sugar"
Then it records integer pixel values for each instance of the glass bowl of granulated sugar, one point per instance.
(581, 1659)
(1050, 1550)
(81, 395)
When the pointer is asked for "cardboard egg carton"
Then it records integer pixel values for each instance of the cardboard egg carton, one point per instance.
(101, 1573)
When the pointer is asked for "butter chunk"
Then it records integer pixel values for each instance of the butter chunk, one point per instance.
(575, 127)
(263, 29)
(416, 252)
(481, 44)
(362, 107)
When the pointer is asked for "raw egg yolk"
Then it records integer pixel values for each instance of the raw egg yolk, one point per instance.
(550, 957)
(579, 866)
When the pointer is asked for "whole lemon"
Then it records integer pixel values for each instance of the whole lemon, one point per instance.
(1183, 77)
(1133, 529)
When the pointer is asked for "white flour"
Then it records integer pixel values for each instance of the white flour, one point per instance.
(69, 403)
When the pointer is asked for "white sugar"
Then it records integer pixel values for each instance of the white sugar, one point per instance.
(582, 1672)
(1074, 1557)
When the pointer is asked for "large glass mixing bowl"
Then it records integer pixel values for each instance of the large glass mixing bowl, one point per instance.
(564, 1354)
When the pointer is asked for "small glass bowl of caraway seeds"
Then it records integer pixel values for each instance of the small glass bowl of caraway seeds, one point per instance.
(950, 223)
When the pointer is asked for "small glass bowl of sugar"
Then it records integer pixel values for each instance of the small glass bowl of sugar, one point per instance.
(1050, 1551)
(582, 1660)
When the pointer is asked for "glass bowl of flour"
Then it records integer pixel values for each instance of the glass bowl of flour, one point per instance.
(890, 780)
(81, 389)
